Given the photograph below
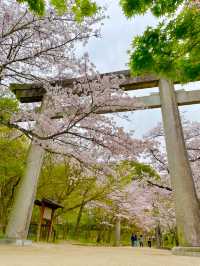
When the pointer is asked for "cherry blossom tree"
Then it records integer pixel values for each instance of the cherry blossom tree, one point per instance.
(35, 47)
(75, 125)
(43, 48)
(157, 194)
(149, 201)
(155, 151)
(71, 120)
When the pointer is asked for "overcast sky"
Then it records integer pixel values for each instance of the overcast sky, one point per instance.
(110, 54)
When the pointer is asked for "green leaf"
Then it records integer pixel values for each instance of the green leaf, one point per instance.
(38, 6)
(170, 50)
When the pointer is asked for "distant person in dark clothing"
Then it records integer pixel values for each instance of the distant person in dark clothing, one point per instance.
(134, 240)
(149, 242)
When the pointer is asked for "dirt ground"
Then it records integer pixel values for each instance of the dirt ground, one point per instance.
(72, 255)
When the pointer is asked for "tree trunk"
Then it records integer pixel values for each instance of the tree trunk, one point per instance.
(158, 236)
(79, 219)
(117, 231)
(99, 235)
(109, 234)
(186, 203)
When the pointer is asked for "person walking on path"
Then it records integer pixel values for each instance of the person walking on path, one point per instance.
(132, 240)
(149, 242)
(141, 241)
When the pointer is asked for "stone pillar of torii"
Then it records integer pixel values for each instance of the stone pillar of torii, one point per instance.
(187, 206)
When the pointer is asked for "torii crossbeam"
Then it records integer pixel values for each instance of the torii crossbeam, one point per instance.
(186, 202)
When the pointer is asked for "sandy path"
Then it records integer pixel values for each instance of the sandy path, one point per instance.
(68, 255)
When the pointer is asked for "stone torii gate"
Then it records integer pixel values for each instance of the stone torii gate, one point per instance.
(186, 202)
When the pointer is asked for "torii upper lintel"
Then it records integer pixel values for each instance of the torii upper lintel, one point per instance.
(33, 92)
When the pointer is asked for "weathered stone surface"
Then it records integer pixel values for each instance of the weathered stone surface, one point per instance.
(21, 212)
(151, 101)
(17, 242)
(186, 202)
(34, 92)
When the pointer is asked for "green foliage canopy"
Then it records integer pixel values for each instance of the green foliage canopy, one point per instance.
(13, 151)
(7, 107)
(69, 185)
(172, 49)
(81, 8)
(12, 162)
(133, 170)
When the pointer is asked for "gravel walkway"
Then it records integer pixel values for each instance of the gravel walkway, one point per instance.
(71, 255)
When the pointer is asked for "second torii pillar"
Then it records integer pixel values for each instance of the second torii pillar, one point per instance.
(187, 206)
